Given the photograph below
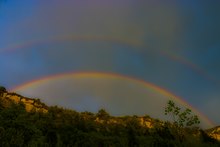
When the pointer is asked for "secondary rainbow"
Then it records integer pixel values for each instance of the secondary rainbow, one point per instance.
(146, 84)
(135, 44)
(26, 44)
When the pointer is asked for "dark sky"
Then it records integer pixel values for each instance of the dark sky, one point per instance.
(172, 45)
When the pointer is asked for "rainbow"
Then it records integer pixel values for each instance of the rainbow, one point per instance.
(135, 44)
(189, 64)
(99, 75)
(88, 38)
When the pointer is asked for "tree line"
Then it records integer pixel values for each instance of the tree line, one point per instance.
(64, 127)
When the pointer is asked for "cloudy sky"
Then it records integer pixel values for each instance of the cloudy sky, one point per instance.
(172, 45)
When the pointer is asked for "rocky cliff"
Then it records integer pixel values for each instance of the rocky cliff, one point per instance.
(30, 104)
(214, 132)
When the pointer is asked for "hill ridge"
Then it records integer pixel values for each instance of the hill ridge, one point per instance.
(102, 117)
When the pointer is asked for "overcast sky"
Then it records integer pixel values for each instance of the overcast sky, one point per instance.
(173, 45)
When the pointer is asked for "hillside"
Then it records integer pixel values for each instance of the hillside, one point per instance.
(28, 122)
(30, 104)
(214, 132)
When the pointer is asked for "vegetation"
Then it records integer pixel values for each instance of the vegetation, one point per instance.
(63, 127)
(181, 118)
(2, 90)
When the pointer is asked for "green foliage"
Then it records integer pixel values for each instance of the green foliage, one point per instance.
(2, 90)
(181, 118)
(102, 114)
(63, 127)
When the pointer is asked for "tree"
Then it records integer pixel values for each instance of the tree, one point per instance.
(181, 119)
(102, 114)
(2, 90)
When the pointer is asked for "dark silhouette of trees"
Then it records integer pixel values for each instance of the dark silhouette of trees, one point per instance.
(102, 114)
(64, 127)
(2, 90)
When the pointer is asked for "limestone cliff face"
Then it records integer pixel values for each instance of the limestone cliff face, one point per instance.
(30, 104)
(215, 132)
(146, 122)
(143, 121)
(35, 104)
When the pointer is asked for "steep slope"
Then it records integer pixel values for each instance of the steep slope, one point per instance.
(101, 117)
(30, 104)
(58, 126)
(214, 132)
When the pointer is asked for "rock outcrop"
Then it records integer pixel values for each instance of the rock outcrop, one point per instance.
(214, 132)
(30, 104)
(143, 121)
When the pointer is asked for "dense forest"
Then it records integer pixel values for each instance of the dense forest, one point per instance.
(63, 127)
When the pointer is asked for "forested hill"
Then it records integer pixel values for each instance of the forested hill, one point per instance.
(29, 122)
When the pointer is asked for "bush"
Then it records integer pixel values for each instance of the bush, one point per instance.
(2, 90)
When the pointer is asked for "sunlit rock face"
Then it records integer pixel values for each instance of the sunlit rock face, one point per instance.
(30, 104)
(215, 132)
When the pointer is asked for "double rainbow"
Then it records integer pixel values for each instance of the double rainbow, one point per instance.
(135, 44)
